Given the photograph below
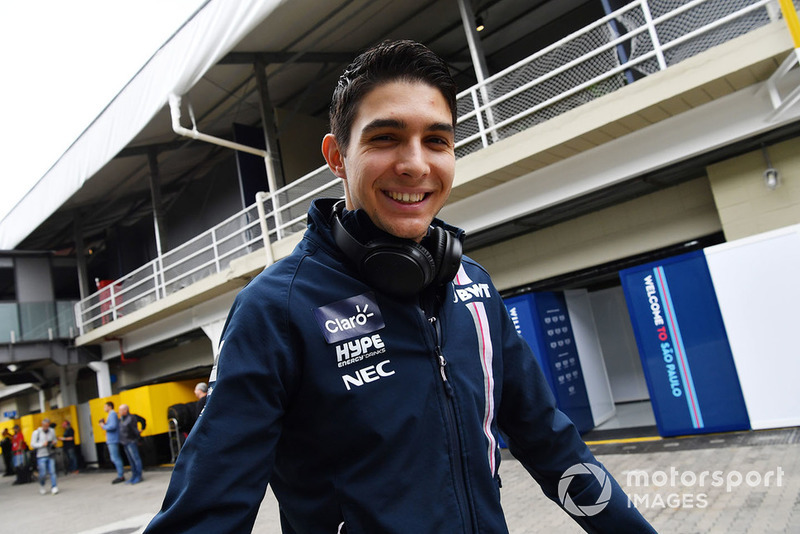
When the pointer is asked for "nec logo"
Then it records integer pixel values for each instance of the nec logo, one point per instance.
(371, 373)
(463, 294)
(349, 318)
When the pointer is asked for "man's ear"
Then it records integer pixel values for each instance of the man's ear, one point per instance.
(334, 156)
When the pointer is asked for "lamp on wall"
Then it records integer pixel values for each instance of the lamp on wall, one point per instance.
(479, 26)
(771, 176)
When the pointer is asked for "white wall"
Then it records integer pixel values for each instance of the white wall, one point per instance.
(590, 354)
(620, 352)
(757, 282)
(673, 215)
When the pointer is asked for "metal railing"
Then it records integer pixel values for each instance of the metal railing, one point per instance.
(637, 40)
(641, 38)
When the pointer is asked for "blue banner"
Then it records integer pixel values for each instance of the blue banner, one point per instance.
(543, 321)
(684, 348)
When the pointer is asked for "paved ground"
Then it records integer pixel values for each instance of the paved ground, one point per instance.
(756, 489)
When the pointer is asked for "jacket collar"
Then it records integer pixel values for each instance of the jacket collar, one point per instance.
(357, 222)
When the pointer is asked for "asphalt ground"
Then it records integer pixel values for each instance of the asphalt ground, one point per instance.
(733, 483)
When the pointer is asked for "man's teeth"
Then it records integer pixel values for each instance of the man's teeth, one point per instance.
(406, 197)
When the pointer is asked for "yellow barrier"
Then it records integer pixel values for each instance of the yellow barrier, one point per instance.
(790, 15)
(150, 402)
(29, 423)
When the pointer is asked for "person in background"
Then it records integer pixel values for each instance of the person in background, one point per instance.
(111, 426)
(43, 441)
(20, 449)
(201, 392)
(68, 443)
(8, 454)
(129, 439)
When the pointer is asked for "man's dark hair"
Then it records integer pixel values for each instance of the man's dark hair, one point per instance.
(389, 61)
(111, 404)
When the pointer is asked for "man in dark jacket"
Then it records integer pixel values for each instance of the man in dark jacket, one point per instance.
(366, 377)
(129, 439)
(8, 455)
(68, 444)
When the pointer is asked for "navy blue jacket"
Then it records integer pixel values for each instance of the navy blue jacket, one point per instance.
(373, 414)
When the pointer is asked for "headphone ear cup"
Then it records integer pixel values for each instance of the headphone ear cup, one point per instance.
(437, 246)
(448, 256)
(397, 268)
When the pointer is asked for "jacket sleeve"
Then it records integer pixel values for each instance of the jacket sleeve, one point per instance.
(112, 423)
(37, 440)
(546, 442)
(223, 469)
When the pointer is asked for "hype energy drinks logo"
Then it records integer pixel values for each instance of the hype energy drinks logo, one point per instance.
(666, 328)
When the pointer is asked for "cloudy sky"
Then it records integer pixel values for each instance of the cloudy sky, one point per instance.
(62, 62)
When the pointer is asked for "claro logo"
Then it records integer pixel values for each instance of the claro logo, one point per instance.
(367, 374)
(349, 318)
(349, 323)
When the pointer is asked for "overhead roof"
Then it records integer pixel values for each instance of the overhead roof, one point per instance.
(103, 176)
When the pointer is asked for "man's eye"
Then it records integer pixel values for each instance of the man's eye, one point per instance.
(439, 141)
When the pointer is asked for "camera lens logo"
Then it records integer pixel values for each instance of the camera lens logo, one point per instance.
(602, 500)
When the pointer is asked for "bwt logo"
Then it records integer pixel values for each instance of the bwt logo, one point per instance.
(464, 294)
(371, 373)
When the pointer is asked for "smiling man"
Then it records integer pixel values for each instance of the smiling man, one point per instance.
(399, 164)
(353, 381)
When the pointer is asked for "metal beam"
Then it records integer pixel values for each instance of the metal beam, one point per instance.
(473, 41)
(267, 58)
(80, 255)
(273, 160)
(155, 191)
(144, 150)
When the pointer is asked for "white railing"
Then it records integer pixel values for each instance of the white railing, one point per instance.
(206, 254)
(596, 60)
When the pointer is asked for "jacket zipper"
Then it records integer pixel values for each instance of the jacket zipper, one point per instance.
(452, 429)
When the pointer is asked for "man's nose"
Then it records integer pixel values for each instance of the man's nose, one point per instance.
(412, 160)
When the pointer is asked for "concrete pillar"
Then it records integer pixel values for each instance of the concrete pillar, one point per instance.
(66, 380)
(103, 378)
(214, 333)
(42, 402)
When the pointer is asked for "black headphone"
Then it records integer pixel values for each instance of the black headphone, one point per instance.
(400, 267)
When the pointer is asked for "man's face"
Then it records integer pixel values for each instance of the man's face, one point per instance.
(400, 162)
